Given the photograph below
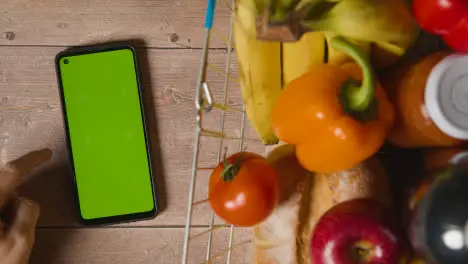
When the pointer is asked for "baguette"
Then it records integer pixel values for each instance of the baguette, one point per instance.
(284, 237)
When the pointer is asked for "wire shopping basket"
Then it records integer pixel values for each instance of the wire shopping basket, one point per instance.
(206, 105)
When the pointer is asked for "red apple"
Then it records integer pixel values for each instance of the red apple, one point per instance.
(357, 231)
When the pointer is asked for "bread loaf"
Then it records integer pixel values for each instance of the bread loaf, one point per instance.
(284, 237)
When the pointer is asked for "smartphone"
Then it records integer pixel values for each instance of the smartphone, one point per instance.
(106, 133)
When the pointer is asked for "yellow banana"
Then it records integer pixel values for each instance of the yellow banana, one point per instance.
(384, 28)
(387, 22)
(259, 65)
(301, 56)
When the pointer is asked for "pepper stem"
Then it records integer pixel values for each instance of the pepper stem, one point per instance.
(357, 97)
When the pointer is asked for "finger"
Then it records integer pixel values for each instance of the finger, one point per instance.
(10, 175)
(30, 161)
(22, 230)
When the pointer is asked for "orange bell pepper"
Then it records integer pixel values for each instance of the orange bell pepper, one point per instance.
(336, 115)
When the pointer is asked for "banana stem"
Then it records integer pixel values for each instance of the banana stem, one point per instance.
(281, 10)
(357, 96)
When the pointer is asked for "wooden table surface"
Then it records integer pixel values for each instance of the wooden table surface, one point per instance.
(170, 34)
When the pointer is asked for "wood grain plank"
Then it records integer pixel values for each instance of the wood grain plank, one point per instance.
(30, 118)
(161, 23)
(136, 246)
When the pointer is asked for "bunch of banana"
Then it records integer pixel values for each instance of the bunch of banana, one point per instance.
(265, 67)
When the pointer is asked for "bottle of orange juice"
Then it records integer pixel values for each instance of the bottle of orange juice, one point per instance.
(430, 96)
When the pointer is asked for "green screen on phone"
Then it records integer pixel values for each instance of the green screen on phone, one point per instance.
(106, 132)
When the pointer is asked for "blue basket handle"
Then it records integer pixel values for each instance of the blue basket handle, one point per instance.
(210, 14)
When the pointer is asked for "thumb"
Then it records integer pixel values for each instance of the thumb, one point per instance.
(23, 226)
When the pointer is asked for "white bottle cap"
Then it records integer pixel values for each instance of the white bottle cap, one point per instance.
(446, 96)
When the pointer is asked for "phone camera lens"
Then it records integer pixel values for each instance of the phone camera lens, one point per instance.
(65, 61)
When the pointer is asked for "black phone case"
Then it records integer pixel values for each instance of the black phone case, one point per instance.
(95, 49)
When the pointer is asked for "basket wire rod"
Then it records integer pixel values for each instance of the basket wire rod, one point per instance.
(191, 193)
(241, 148)
(201, 107)
(221, 122)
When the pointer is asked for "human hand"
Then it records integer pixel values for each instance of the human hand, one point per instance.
(18, 216)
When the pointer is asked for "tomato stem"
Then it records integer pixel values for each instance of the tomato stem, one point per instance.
(230, 171)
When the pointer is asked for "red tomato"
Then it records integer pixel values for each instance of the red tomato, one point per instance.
(244, 190)
(457, 38)
(439, 16)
